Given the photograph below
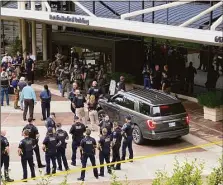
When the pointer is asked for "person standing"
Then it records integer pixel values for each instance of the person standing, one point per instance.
(5, 156)
(156, 78)
(166, 86)
(88, 146)
(72, 95)
(121, 84)
(146, 77)
(106, 123)
(89, 76)
(20, 86)
(77, 131)
(190, 72)
(30, 69)
(78, 105)
(212, 78)
(116, 144)
(93, 114)
(127, 138)
(14, 84)
(65, 77)
(94, 90)
(4, 87)
(25, 150)
(104, 146)
(61, 150)
(50, 121)
(34, 134)
(50, 144)
(28, 95)
(45, 97)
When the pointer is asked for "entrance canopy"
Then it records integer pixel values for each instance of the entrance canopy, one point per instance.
(190, 21)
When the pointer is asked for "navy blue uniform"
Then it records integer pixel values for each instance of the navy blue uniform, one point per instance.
(79, 101)
(104, 152)
(61, 150)
(77, 131)
(33, 131)
(51, 142)
(88, 145)
(127, 141)
(117, 137)
(4, 154)
(45, 103)
(96, 91)
(27, 145)
(106, 124)
(30, 73)
(71, 98)
(50, 123)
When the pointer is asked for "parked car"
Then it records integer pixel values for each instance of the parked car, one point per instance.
(155, 114)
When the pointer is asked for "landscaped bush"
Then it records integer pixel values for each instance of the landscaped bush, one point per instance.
(211, 99)
(216, 177)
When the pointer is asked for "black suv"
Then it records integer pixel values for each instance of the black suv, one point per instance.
(156, 115)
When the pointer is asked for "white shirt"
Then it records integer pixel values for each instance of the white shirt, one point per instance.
(4, 59)
(33, 57)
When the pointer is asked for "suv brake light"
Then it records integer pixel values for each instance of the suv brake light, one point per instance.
(187, 120)
(151, 124)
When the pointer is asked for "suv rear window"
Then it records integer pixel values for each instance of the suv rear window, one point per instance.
(166, 110)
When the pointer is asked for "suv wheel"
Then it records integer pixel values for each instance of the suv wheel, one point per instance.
(101, 114)
(137, 135)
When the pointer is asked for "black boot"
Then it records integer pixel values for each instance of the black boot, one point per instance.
(7, 178)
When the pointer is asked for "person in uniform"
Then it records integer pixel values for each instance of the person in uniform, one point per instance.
(89, 75)
(50, 121)
(30, 69)
(5, 156)
(50, 144)
(34, 134)
(127, 138)
(65, 77)
(78, 105)
(58, 72)
(88, 146)
(77, 131)
(116, 144)
(77, 75)
(72, 95)
(61, 150)
(104, 146)
(121, 84)
(106, 123)
(25, 150)
(94, 90)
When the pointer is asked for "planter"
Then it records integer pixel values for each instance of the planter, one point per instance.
(213, 114)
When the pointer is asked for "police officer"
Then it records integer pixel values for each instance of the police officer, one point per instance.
(104, 145)
(50, 144)
(34, 134)
(58, 72)
(65, 77)
(78, 104)
(94, 90)
(88, 145)
(72, 95)
(89, 75)
(61, 150)
(127, 138)
(50, 121)
(77, 131)
(106, 123)
(25, 150)
(116, 144)
(77, 75)
(5, 156)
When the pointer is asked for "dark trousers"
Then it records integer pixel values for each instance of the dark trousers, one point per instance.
(84, 163)
(147, 83)
(50, 157)
(104, 157)
(36, 150)
(116, 155)
(5, 161)
(5, 91)
(72, 109)
(61, 154)
(24, 161)
(75, 145)
(127, 143)
(30, 76)
(28, 104)
(45, 109)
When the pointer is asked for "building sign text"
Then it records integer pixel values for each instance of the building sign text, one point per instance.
(69, 19)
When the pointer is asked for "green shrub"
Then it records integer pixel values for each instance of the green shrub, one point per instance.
(211, 99)
(186, 174)
(116, 76)
(216, 177)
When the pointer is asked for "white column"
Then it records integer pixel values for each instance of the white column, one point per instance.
(34, 38)
(24, 38)
(19, 5)
(23, 5)
(33, 5)
(44, 30)
(20, 29)
(43, 6)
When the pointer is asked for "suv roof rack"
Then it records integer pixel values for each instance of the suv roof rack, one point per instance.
(153, 96)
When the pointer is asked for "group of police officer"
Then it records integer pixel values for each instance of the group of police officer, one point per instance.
(54, 146)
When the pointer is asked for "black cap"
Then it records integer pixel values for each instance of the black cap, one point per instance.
(50, 130)
(76, 118)
(128, 117)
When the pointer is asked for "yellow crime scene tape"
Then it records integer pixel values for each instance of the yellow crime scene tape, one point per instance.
(124, 161)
